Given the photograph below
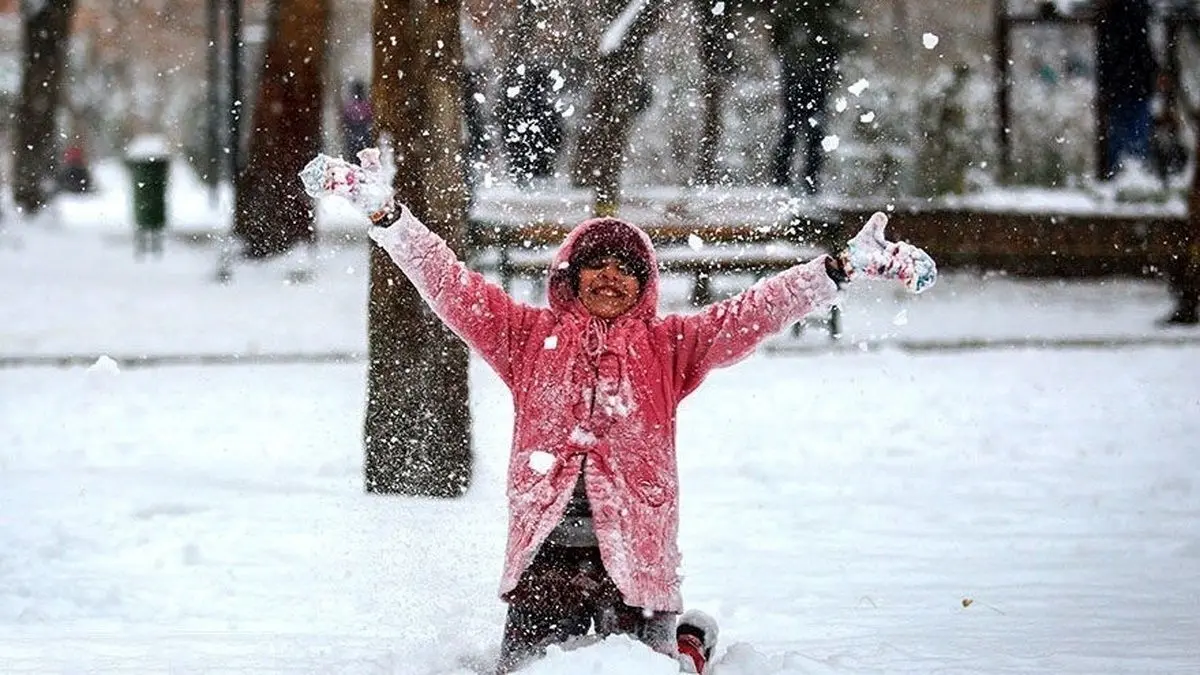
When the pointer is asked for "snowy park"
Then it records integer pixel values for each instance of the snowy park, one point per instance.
(998, 476)
(218, 396)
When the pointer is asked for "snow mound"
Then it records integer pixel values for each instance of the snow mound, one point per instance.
(616, 655)
(622, 655)
(743, 659)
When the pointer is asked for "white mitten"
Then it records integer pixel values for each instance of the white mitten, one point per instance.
(365, 185)
(869, 255)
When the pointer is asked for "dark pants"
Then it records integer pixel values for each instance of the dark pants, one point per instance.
(563, 593)
(1129, 124)
(805, 98)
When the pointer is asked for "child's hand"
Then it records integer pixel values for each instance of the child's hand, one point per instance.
(868, 255)
(364, 185)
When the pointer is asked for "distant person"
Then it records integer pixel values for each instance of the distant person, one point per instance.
(808, 40)
(1126, 72)
(357, 120)
(75, 176)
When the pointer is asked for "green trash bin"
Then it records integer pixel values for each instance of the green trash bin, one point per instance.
(149, 167)
(149, 176)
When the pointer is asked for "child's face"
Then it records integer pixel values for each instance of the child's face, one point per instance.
(608, 287)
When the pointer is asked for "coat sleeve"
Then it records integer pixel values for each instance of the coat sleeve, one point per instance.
(728, 331)
(478, 311)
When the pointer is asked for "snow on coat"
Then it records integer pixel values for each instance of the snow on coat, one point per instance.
(596, 394)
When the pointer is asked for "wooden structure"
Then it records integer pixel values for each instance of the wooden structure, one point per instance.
(1175, 19)
(1041, 244)
(699, 232)
(754, 232)
(1005, 24)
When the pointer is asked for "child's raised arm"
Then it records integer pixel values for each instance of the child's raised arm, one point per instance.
(478, 311)
(728, 331)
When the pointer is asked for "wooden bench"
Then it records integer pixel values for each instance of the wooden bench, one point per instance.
(696, 231)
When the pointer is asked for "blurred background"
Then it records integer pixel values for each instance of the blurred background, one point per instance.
(849, 103)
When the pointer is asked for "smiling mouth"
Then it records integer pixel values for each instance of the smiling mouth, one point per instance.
(608, 292)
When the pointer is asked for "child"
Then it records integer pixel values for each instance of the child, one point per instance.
(596, 378)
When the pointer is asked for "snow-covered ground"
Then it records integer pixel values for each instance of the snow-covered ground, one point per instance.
(1000, 511)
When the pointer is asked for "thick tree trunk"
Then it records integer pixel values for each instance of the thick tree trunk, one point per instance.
(272, 213)
(418, 425)
(619, 93)
(35, 150)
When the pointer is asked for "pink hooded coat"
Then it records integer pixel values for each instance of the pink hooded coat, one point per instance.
(600, 395)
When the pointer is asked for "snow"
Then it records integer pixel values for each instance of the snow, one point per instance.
(614, 35)
(148, 146)
(858, 87)
(541, 461)
(886, 509)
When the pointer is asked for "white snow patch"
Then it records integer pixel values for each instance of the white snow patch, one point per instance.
(901, 318)
(105, 365)
(695, 242)
(929, 40)
(830, 143)
(551, 342)
(147, 146)
(840, 104)
(582, 437)
(616, 655)
(615, 34)
(858, 87)
(541, 462)
(718, 8)
(867, 117)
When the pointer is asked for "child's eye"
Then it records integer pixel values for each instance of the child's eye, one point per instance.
(597, 265)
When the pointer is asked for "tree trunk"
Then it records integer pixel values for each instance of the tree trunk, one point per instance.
(44, 36)
(272, 214)
(619, 93)
(1186, 280)
(717, 64)
(418, 425)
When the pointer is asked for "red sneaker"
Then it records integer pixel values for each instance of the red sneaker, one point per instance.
(696, 637)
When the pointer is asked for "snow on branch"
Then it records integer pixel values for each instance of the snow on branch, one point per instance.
(616, 35)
